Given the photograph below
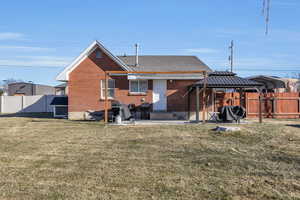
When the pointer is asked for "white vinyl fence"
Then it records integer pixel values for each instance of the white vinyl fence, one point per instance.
(29, 104)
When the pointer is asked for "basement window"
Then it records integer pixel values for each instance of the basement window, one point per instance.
(110, 89)
(138, 86)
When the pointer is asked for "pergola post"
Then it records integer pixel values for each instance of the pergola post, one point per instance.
(197, 103)
(204, 105)
(204, 98)
(241, 96)
(189, 105)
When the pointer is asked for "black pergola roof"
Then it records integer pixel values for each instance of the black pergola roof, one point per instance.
(225, 79)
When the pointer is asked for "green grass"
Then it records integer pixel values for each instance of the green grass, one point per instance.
(60, 159)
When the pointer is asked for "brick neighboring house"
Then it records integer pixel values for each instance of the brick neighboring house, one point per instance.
(165, 93)
(29, 89)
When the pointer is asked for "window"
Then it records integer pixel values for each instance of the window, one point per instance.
(110, 89)
(138, 86)
(98, 54)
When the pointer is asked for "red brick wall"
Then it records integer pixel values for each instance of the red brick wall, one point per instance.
(84, 85)
(177, 97)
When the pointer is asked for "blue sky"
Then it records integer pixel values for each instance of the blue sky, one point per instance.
(39, 38)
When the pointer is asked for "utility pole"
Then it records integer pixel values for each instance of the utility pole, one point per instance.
(266, 13)
(231, 56)
(136, 54)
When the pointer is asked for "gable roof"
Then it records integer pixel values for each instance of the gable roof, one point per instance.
(165, 63)
(64, 75)
(146, 63)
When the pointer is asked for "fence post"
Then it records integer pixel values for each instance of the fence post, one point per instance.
(246, 104)
(274, 106)
(260, 108)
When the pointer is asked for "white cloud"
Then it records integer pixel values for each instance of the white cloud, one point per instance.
(201, 50)
(36, 61)
(25, 48)
(11, 36)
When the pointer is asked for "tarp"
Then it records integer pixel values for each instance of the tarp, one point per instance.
(232, 113)
(125, 112)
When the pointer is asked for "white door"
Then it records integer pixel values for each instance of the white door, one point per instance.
(159, 95)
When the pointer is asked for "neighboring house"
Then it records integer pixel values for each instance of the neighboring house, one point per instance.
(165, 93)
(276, 84)
(61, 89)
(298, 86)
(270, 83)
(292, 84)
(29, 89)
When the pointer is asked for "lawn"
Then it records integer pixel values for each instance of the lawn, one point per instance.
(60, 159)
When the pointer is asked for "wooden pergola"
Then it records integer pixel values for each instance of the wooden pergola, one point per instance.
(226, 80)
(125, 73)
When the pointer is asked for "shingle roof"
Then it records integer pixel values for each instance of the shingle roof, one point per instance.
(227, 80)
(221, 73)
(59, 101)
(165, 63)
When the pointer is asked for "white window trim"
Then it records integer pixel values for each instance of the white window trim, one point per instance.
(138, 86)
(102, 96)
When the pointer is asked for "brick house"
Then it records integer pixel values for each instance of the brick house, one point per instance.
(85, 78)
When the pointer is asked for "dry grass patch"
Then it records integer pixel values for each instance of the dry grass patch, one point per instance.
(60, 159)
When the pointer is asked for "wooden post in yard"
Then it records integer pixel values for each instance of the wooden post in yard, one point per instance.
(204, 98)
(241, 97)
(189, 104)
(106, 99)
(274, 106)
(197, 104)
(260, 108)
(204, 105)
